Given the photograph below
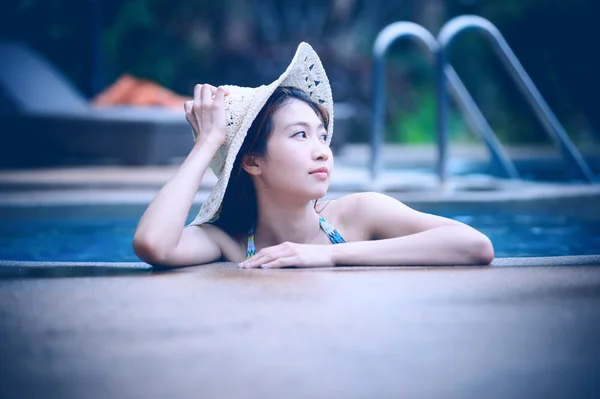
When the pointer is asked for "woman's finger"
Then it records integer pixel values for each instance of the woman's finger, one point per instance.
(213, 89)
(225, 90)
(207, 96)
(188, 106)
(197, 95)
(265, 255)
(256, 260)
(220, 96)
(280, 262)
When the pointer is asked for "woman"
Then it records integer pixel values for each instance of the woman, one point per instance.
(269, 148)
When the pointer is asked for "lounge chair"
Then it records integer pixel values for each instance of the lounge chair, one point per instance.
(45, 120)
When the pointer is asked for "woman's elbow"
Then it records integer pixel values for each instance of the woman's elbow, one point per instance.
(148, 251)
(482, 250)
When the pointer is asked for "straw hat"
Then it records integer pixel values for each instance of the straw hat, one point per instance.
(243, 104)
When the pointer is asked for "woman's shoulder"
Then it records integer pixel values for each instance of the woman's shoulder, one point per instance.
(349, 206)
(349, 213)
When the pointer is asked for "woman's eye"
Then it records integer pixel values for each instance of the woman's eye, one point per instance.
(325, 136)
(300, 133)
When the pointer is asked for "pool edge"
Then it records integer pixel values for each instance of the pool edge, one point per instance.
(12, 268)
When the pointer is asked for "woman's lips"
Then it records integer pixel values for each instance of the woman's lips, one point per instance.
(320, 175)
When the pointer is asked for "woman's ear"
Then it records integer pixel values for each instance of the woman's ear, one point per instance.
(250, 165)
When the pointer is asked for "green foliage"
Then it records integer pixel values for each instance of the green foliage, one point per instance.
(419, 125)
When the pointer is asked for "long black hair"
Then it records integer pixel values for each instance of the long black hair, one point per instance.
(239, 207)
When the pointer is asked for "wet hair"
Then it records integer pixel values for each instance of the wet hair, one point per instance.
(239, 208)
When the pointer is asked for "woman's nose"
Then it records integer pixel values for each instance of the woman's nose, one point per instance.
(321, 151)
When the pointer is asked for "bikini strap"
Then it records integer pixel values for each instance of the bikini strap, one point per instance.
(334, 236)
(251, 249)
(331, 232)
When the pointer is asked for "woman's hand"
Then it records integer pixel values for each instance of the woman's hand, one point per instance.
(290, 254)
(206, 114)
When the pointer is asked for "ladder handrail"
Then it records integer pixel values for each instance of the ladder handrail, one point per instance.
(479, 124)
(385, 39)
(541, 109)
(475, 118)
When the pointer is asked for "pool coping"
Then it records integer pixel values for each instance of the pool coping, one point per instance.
(13, 268)
(117, 184)
(515, 192)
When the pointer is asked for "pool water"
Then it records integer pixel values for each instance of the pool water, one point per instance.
(90, 234)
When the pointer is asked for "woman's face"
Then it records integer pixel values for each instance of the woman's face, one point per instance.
(299, 160)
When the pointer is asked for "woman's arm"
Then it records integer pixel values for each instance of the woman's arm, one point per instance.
(160, 237)
(404, 236)
(396, 236)
(444, 245)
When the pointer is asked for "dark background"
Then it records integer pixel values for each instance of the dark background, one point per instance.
(249, 42)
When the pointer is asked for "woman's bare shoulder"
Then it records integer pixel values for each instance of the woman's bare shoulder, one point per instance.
(345, 207)
(342, 214)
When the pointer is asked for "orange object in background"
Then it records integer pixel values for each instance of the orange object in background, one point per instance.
(129, 90)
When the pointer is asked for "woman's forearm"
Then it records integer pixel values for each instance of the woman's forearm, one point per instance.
(445, 245)
(163, 222)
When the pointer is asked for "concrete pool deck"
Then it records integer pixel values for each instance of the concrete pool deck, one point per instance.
(220, 332)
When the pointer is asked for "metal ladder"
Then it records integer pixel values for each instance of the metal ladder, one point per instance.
(445, 74)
